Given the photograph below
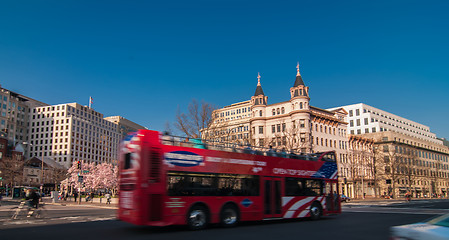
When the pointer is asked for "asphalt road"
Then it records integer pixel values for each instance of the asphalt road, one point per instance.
(371, 223)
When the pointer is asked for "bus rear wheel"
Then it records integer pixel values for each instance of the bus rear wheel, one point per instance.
(229, 216)
(316, 211)
(197, 218)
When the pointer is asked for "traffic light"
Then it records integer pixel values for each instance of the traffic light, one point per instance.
(79, 164)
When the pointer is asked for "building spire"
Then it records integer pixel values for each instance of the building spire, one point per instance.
(259, 90)
(297, 69)
(298, 80)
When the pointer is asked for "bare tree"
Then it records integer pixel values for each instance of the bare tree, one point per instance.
(391, 167)
(12, 169)
(198, 117)
(57, 175)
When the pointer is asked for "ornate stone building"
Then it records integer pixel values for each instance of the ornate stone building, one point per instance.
(292, 125)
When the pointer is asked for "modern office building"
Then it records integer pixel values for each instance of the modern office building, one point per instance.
(124, 125)
(14, 115)
(72, 132)
(363, 119)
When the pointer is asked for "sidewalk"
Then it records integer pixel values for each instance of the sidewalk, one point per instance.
(99, 202)
(389, 201)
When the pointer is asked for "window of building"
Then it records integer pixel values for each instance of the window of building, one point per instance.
(358, 122)
(351, 113)
(357, 112)
(260, 129)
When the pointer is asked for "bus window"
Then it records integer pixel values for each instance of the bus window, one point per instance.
(303, 187)
(211, 184)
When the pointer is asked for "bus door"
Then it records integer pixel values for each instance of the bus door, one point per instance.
(154, 182)
(272, 197)
(332, 198)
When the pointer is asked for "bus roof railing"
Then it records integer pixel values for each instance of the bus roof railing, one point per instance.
(240, 148)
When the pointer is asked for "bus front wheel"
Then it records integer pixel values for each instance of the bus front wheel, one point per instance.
(229, 216)
(197, 218)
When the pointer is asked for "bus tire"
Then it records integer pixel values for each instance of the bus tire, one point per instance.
(316, 211)
(229, 216)
(197, 218)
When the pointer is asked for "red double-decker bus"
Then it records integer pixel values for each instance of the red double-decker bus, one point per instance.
(164, 181)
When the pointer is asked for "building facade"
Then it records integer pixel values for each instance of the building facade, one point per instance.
(409, 164)
(363, 119)
(14, 115)
(72, 132)
(124, 125)
(357, 170)
(291, 125)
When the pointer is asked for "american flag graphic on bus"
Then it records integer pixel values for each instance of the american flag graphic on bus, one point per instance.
(328, 170)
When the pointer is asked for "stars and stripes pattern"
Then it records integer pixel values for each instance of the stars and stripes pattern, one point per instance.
(131, 144)
(300, 207)
(327, 170)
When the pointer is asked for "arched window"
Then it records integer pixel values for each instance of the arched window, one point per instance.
(283, 110)
(278, 111)
(260, 113)
(300, 105)
(274, 112)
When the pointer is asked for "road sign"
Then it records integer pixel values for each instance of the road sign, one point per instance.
(80, 179)
(85, 171)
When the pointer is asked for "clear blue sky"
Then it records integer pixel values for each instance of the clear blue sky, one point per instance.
(143, 59)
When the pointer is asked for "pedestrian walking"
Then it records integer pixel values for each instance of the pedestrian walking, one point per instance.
(108, 198)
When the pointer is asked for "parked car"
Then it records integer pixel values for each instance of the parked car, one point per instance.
(435, 228)
(345, 198)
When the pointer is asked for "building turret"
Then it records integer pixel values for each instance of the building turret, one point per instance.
(299, 90)
(259, 97)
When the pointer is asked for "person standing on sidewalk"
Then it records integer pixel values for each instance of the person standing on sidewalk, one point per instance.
(75, 195)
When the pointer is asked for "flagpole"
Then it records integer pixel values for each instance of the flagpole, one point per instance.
(90, 102)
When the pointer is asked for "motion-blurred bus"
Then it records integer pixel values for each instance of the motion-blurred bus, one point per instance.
(166, 181)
